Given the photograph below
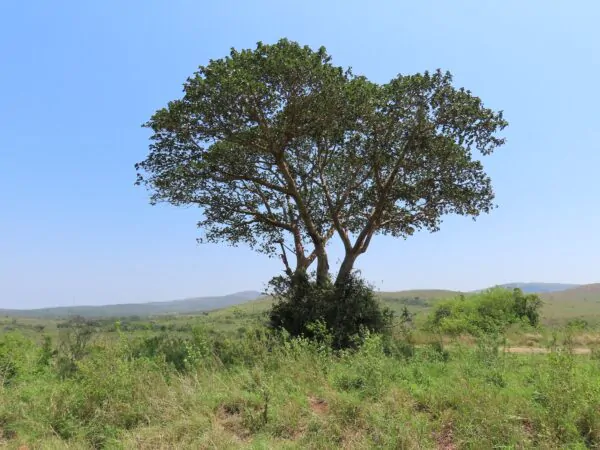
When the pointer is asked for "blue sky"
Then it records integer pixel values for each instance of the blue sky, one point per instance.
(79, 78)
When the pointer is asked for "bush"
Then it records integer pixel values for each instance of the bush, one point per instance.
(174, 349)
(15, 357)
(364, 370)
(577, 324)
(488, 312)
(75, 337)
(344, 310)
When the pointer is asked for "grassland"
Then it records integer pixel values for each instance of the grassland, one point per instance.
(560, 306)
(222, 380)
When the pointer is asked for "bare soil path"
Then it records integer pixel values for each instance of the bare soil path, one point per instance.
(532, 350)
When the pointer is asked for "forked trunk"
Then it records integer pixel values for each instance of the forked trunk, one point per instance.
(345, 269)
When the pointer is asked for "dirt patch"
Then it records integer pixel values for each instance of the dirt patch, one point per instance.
(318, 405)
(533, 336)
(528, 426)
(7, 435)
(352, 440)
(587, 339)
(540, 350)
(445, 439)
(229, 418)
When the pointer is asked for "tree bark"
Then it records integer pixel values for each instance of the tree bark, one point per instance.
(345, 268)
(322, 266)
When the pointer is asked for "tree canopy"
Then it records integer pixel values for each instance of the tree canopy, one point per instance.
(283, 151)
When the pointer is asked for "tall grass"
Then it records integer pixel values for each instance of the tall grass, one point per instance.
(261, 389)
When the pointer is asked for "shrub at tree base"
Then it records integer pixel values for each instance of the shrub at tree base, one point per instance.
(344, 311)
(491, 311)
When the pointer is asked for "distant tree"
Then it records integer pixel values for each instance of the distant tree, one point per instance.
(406, 317)
(283, 150)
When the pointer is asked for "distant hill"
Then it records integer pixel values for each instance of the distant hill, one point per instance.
(590, 292)
(539, 288)
(249, 300)
(562, 301)
(414, 300)
(581, 302)
(186, 306)
(426, 294)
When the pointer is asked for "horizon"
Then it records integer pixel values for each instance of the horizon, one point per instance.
(261, 293)
(82, 78)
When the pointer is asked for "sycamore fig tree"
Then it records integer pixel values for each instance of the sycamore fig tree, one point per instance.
(284, 151)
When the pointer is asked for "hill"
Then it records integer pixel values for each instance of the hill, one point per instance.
(561, 303)
(426, 294)
(589, 292)
(186, 306)
(249, 301)
(538, 288)
(581, 302)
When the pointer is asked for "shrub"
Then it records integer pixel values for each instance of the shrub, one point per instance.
(577, 324)
(75, 337)
(251, 349)
(489, 312)
(8, 369)
(344, 310)
(15, 357)
(362, 370)
(174, 350)
(46, 352)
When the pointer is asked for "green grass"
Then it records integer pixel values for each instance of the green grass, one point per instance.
(221, 380)
(241, 388)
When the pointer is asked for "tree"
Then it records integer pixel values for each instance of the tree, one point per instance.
(283, 151)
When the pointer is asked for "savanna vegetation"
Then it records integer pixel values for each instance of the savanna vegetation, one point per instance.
(283, 151)
(434, 379)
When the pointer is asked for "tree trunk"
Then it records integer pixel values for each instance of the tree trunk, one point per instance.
(345, 269)
(322, 267)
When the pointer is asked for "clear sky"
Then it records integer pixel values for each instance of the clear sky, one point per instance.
(78, 79)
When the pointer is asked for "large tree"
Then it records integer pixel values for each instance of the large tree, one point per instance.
(282, 150)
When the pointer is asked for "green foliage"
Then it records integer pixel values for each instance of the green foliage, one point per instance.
(335, 314)
(568, 404)
(17, 359)
(281, 149)
(180, 352)
(47, 352)
(527, 307)
(578, 324)
(8, 365)
(75, 337)
(173, 349)
(363, 370)
(488, 312)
